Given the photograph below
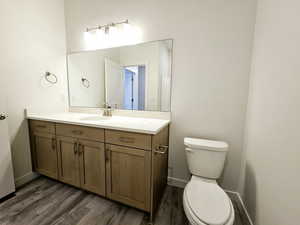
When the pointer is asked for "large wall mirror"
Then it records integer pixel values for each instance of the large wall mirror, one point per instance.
(136, 77)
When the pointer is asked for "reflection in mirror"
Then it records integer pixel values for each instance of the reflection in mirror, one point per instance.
(131, 78)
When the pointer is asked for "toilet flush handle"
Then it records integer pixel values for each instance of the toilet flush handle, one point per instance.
(2, 117)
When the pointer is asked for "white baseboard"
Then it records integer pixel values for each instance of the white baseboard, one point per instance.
(20, 181)
(243, 205)
(172, 181)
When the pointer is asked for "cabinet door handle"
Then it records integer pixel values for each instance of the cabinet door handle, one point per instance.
(161, 149)
(107, 154)
(80, 148)
(126, 139)
(75, 148)
(53, 143)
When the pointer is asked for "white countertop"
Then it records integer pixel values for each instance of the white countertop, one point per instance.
(130, 124)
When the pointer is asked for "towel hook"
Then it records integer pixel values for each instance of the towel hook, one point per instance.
(85, 82)
(48, 74)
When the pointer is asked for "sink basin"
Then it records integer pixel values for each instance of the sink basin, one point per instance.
(95, 118)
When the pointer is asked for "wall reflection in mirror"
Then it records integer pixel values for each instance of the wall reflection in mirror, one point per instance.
(136, 77)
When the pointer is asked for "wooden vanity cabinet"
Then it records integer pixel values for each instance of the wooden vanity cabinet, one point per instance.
(44, 149)
(81, 163)
(137, 168)
(128, 167)
(128, 175)
(68, 160)
(81, 157)
(92, 166)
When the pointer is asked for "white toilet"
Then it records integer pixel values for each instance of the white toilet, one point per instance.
(204, 201)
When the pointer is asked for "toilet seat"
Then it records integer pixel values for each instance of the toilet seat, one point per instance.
(205, 203)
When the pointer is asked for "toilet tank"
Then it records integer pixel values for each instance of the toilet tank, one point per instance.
(205, 158)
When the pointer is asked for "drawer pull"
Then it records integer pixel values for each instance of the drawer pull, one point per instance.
(126, 139)
(41, 126)
(162, 149)
(77, 132)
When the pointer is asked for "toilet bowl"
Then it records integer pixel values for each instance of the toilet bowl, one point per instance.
(204, 201)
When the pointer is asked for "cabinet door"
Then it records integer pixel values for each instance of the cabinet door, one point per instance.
(92, 166)
(45, 154)
(68, 163)
(128, 176)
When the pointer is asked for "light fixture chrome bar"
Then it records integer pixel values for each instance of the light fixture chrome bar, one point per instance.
(106, 26)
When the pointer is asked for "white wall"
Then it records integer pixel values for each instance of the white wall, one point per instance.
(272, 181)
(32, 42)
(212, 52)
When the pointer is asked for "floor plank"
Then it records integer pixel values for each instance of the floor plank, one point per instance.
(48, 202)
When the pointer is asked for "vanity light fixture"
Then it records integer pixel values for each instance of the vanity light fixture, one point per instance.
(112, 35)
(106, 27)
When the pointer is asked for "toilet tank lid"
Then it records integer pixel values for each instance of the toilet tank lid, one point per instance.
(197, 143)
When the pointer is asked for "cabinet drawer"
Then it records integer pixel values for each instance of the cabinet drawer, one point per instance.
(89, 133)
(129, 139)
(42, 126)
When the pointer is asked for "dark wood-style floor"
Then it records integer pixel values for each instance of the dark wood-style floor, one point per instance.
(48, 202)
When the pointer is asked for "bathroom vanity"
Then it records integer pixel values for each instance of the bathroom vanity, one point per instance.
(121, 158)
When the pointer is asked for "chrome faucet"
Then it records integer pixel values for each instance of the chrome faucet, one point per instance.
(107, 109)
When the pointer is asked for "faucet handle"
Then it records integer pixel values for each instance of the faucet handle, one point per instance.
(105, 104)
(107, 109)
